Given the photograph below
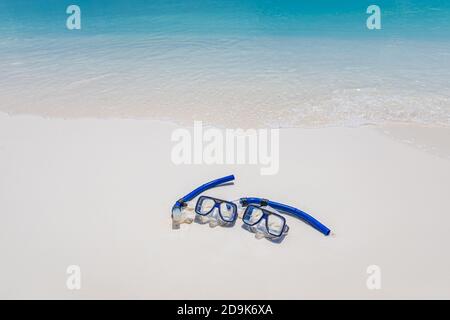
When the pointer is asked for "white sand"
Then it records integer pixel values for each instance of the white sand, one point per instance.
(98, 193)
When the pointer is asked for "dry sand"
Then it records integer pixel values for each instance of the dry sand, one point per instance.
(98, 193)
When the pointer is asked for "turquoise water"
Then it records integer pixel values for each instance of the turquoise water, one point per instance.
(401, 18)
(276, 63)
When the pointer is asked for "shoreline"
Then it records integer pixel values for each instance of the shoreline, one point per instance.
(418, 135)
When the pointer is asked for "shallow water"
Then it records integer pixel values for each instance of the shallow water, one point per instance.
(229, 63)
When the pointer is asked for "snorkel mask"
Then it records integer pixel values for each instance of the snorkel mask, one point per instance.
(216, 211)
(264, 223)
(181, 209)
(283, 208)
(260, 216)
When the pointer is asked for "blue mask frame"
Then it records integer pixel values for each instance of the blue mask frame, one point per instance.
(265, 215)
(217, 203)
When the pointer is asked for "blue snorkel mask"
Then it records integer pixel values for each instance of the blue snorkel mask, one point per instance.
(283, 208)
(261, 216)
(181, 208)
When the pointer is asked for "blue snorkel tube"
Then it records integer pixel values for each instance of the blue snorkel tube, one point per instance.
(182, 202)
(289, 210)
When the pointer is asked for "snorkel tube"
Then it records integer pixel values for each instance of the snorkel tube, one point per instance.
(177, 214)
(289, 210)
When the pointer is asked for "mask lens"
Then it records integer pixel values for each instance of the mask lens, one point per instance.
(205, 206)
(252, 215)
(228, 211)
(275, 224)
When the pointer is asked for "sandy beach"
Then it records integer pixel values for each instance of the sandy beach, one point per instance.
(97, 194)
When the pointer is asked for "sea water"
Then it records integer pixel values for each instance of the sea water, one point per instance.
(274, 63)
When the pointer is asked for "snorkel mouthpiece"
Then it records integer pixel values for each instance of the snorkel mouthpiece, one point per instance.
(179, 215)
(176, 216)
(176, 212)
